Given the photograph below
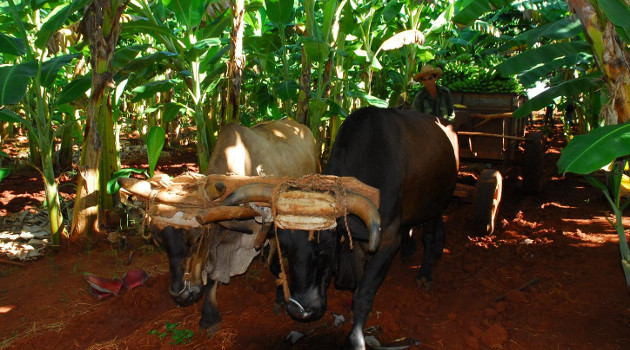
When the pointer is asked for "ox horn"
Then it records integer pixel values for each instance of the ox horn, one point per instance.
(136, 187)
(223, 213)
(228, 210)
(362, 207)
(254, 192)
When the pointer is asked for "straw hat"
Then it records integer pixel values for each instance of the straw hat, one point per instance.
(427, 69)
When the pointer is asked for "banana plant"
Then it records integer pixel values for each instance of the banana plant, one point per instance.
(190, 42)
(586, 154)
(28, 82)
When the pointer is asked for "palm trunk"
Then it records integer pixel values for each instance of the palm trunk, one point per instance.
(237, 62)
(102, 28)
(610, 56)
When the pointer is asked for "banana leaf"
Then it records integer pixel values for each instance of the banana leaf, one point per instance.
(56, 20)
(13, 81)
(155, 143)
(51, 68)
(618, 13)
(6, 115)
(4, 172)
(476, 8)
(150, 89)
(143, 62)
(280, 12)
(568, 88)
(287, 89)
(74, 89)
(372, 100)
(188, 12)
(541, 55)
(530, 77)
(126, 54)
(566, 27)
(146, 27)
(585, 154)
(316, 50)
(12, 46)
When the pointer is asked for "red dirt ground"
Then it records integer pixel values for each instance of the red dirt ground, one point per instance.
(558, 246)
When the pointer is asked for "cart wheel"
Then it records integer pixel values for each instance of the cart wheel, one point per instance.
(487, 199)
(533, 159)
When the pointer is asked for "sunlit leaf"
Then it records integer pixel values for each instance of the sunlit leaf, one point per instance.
(372, 100)
(113, 186)
(155, 142)
(568, 88)
(585, 154)
(541, 55)
(4, 172)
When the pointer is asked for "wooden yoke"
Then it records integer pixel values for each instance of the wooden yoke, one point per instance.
(176, 202)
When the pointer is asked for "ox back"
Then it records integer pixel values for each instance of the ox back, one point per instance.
(282, 148)
(408, 156)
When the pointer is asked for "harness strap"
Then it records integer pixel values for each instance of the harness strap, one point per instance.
(282, 279)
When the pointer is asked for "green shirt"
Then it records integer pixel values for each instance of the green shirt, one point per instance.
(442, 106)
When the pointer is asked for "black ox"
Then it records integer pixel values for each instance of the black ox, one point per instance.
(413, 160)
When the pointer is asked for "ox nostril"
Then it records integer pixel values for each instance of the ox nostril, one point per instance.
(295, 305)
(297, 311)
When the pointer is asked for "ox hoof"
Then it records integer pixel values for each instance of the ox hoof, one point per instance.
(423, 282)
(212, 330)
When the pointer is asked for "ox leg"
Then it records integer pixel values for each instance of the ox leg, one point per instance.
(433, 237)
(210, 316)
(408, 247)
(375, 272)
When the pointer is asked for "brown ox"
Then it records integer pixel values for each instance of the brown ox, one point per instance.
(211, 254)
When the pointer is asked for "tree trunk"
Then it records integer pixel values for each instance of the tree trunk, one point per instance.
(305, 89)
(102, 29)
(236, 63)
(610, 56)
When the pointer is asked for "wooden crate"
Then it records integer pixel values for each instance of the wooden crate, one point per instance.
(469, 119)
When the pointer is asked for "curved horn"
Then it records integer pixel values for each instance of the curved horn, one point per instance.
(222, 213)
(254, 192)
(364, 208)
(136, 187)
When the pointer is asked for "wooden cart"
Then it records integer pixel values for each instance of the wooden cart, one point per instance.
(489, 133)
